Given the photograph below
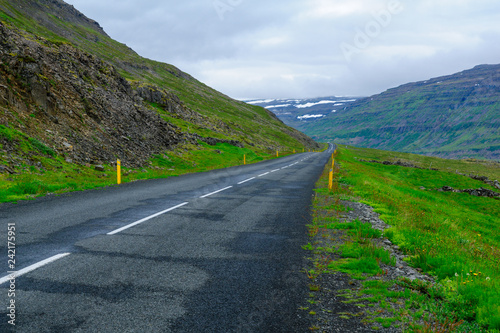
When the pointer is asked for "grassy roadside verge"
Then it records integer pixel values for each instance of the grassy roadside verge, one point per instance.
(49, 173)
(452, 237)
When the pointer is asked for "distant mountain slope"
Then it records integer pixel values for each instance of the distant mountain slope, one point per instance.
(66, 84)
(296, 112)
(456, 116)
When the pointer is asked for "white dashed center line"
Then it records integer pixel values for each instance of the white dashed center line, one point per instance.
(28, 269)
(146, 219)
(246, 180)
(215, 192)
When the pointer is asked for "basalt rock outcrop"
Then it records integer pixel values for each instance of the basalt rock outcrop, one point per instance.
(79, 105)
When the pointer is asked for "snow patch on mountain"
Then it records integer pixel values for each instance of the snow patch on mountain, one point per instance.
(308, 105)
(310, 116)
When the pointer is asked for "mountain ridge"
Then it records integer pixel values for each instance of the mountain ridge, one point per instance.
(453, 116)
(62, 10)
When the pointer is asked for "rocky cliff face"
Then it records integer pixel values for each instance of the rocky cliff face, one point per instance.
(77, 104)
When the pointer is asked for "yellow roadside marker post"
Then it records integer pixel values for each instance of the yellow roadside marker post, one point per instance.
(119, 172)
(277, 154)
(330, 176)
(244, 159)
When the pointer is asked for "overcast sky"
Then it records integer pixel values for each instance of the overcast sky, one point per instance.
(306, 48)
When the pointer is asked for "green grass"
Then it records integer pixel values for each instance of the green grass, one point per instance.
(7, 133)
(452, 236)
(357, 228)
(49, 173)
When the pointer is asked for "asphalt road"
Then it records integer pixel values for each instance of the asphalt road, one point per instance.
(212, 252)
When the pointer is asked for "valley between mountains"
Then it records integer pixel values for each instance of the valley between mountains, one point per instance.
(455, 116)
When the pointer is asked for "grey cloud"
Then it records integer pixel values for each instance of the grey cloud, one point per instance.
(266, 49)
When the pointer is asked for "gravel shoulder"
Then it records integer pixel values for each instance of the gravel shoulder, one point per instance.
(340, 303)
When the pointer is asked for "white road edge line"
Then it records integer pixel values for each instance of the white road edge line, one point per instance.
(145, 219)
(263, 174)
(274, 170)
(209, 194)
(32, 267)
(249, 179)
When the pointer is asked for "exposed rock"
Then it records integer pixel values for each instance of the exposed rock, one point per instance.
(485, 180)
(214, 141)
(480, 192)
(56, 88)
(399, 163)
(99, 168)
(3, 168)
(481, 178)
(172, 104)
(447, 189)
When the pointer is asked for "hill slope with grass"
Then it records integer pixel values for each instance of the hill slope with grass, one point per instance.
(72, 98)
(455, 116)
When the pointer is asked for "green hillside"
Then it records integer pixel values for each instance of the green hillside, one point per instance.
(72, 98)
(456, 116)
